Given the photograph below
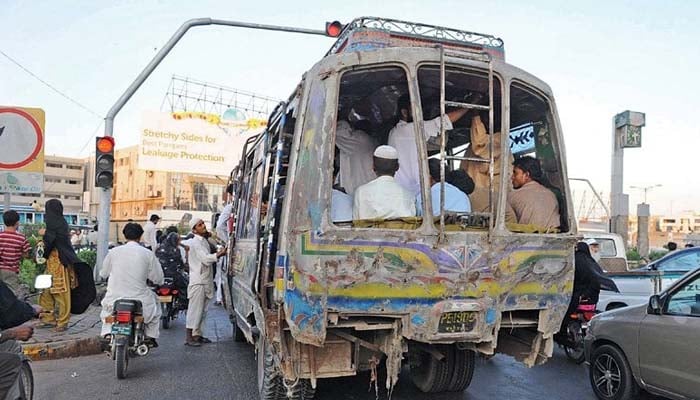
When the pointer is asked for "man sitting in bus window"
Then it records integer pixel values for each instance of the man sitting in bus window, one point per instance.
(383, 197)
(455, 199)
(533, 203)
(402, 138)
(356, 149)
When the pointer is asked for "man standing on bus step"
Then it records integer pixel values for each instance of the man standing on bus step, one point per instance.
(222, 233)
(383, 198)
(201, 288)
(403, 138)
(13, 246)
(149, 233)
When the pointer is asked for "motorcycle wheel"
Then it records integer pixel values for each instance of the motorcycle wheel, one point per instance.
(26, 381)
(121, 361)
(574, 348)
(165, 317)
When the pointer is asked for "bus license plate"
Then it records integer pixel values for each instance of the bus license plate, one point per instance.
(118, 329)
(165, 299)
(457, 321)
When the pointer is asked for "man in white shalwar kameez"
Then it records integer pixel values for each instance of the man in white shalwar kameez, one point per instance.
(128, 267)
(383, 197)
(201, 288)
(403, 138)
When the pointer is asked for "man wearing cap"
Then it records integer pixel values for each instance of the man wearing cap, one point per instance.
(403, 138)
(383, 197)
(201, 287)
(594, 247)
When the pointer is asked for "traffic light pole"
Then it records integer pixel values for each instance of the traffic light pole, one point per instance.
(103, 216)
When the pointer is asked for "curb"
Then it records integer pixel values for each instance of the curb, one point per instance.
(62, 349)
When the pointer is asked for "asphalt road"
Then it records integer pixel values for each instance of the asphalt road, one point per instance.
(227, 370)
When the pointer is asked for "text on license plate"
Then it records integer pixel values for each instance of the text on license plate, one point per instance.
(119, 329)
(457, 321)
(165, 299)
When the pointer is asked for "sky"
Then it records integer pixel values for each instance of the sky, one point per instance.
(599, 58)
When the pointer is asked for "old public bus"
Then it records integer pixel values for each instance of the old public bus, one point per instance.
(325, 295)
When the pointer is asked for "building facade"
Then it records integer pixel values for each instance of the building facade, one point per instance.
(64, 179)
(136, 192)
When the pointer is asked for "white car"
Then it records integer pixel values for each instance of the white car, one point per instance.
(636, 286)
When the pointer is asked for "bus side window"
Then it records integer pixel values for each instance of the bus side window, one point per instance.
(251, 198)
(537, 192)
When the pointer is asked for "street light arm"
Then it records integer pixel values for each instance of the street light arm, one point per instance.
(103, 216)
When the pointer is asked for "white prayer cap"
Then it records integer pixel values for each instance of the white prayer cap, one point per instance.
(194, 221)
(386, 152)
(591, 242)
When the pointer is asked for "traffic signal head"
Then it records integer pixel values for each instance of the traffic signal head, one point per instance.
(104, 162)
(334, 28)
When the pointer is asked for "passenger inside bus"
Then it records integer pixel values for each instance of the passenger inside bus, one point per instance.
(384, 197)
(355, 152)
(533, 202)
(402, 138)
(341, 202)
(456, 200)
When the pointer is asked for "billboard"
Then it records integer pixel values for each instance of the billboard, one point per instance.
(193, 142)
(21, 149)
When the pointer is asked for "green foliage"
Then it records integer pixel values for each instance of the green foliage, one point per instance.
(655, 255)
(28, 270)
(88, 256)
(633, 254)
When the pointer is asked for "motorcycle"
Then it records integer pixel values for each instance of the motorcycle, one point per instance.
(128, 334)
(172, 300)
(574, 330)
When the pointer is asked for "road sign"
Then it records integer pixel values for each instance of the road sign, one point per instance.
(21, 149)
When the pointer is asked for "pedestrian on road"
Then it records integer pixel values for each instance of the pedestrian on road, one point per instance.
(13, 246)
(128, 268)
(149, 233)
(59, 264)
(201, 287)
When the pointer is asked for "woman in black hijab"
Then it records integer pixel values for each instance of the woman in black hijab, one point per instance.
(60, 258)
(589, 278)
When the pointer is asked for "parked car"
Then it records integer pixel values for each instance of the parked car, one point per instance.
(613, 256)
(651, 346)
(637, 285)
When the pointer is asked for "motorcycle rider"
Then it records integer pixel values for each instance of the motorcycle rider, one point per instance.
(13, 313)
(589, 277)
(170, 259)
(128, 268)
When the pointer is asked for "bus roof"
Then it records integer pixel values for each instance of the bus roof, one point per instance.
(371, 33)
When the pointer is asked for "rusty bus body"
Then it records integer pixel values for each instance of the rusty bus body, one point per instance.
(324, 299)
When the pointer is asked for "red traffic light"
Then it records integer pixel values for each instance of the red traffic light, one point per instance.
(334, 28)
(105, 144)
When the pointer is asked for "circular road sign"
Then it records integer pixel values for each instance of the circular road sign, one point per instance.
(20, 138)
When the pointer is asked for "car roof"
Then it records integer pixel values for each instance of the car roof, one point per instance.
(676, 253)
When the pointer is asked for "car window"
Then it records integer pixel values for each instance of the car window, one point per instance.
(683, 262)
(607, 248)
(686, 300)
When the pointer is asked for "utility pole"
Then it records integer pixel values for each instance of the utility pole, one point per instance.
(332, 30)
(643, 214)
(627, 132)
